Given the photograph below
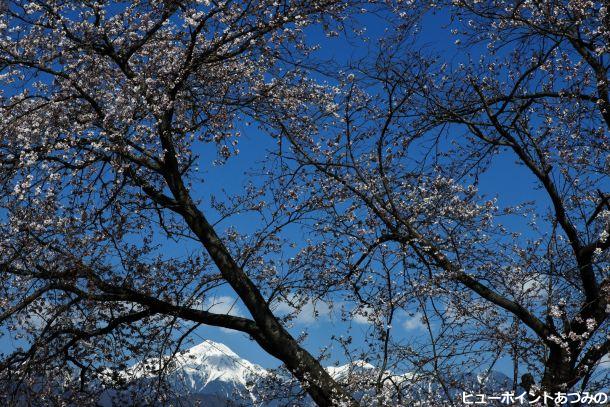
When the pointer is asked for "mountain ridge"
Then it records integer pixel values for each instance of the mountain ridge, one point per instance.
(210, 374)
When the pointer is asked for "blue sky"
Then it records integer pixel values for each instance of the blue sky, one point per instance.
(515, 182)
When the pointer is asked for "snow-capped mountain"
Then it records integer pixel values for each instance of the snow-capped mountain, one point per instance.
(205, 367)
(210, 374)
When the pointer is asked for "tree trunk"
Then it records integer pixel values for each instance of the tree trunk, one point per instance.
(322, 388)
(558, 372)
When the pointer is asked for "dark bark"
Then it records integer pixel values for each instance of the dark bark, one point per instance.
(557, 371)
(272, 336)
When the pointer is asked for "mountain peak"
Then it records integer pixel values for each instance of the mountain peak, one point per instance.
(209, 362)
(208, 348)
(357, 366)
(211, 374)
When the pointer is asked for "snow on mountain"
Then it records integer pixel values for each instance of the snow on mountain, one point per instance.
(213, 368)
(210, 374)
(203, 364)
(343, 372)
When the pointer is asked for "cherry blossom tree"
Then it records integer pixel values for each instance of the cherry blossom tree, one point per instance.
(541, 94)
(103, 107)
(398, 165)
(371, 197)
